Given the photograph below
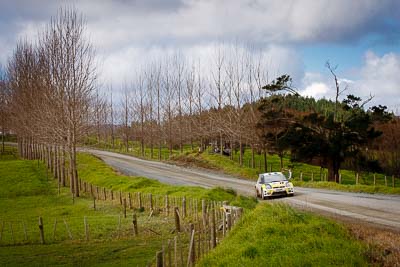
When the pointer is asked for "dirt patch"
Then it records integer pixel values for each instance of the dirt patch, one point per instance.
(191, 161)
(383, 245)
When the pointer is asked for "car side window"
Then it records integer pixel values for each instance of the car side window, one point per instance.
(262, 179)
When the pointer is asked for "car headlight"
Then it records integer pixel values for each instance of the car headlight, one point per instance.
(268, 186)
(288, 184)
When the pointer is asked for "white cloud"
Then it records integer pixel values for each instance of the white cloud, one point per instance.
(316, 90)
(380, 76)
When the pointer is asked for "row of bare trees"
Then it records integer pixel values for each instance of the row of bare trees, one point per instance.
(51, 83)
(176, 101)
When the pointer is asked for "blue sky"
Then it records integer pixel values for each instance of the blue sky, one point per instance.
(361, 37)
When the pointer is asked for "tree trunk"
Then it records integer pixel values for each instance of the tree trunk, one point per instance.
(240, 152)
(333, 170)
(265, 160)
(63, 166)
(221, 150)
(253, 164)
(2, 139)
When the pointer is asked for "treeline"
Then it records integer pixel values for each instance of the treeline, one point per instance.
(48, 92)
(175, 102)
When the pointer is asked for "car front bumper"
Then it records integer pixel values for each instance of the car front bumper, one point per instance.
(278, 191)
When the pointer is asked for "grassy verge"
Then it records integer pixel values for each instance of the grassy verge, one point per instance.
(349, 187)
(277, 235)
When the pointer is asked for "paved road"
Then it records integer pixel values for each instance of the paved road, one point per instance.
(378, 209)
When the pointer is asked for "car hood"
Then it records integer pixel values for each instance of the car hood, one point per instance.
(278, 184)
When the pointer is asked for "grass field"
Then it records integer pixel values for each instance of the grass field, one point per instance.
(28, 192)
(277, 235)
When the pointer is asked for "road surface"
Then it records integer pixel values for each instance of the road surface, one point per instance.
(383, 210)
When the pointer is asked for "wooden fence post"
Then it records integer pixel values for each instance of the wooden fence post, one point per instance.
(385, 180)
(68, 231)
(176, 251)
(374, 179)
(94, 202)
(41, 230)
(140, 200)
(124, 207)
(393, 183)
(166, 205)
(312, 176)
(223, 223)
(86, 228)
(177, 220)
(129, 201)
(135, 224)
(54, 229)
(357, 178)
(192, 251)
(204, 212)
(151, 201)
(229, 220)
(213, 229)
(184, 207)
(169, 253)
(159, 258)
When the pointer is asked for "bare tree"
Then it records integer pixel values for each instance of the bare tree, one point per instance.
(125, 114)
(4, 106)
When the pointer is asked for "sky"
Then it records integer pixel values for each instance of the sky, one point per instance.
(297, 37)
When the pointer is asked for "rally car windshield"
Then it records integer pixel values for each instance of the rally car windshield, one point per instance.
(274, 178)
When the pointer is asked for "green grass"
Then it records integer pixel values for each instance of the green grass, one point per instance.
(135, 252)
(27, 192)
(277, 235)
(349, 187)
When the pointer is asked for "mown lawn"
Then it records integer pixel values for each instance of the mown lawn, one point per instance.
(277, 235)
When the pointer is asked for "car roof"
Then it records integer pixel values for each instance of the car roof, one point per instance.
(271, 173)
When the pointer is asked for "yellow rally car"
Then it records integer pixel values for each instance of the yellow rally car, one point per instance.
(273, 184)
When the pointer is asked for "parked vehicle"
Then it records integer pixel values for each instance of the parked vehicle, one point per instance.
(273, 184)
